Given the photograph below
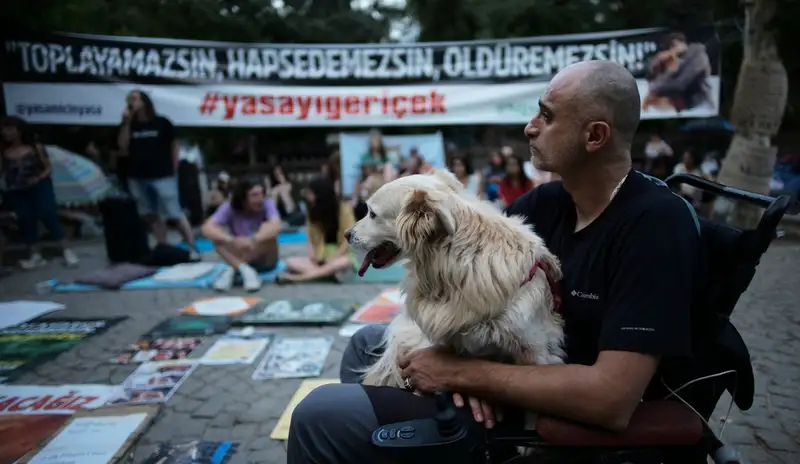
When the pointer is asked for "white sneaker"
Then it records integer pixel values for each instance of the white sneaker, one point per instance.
(70, 258)
(251, 281)
(225, 280)
(33, 262)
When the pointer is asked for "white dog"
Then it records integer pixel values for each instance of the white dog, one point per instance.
(479, 283)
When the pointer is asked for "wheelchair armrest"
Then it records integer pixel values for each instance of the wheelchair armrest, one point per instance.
(762, 201)
(654, 423)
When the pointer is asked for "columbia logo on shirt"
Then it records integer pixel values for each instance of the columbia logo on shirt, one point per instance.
(585, 296)
(146, 134)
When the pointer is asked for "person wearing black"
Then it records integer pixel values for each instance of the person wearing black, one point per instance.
(629, 250)
(149, 142)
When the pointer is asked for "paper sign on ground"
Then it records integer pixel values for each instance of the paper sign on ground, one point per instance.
(26, 345)
(222, 306)
(234, 351)
(281, 430)
(159, 349)
(20, 433)
(17, 312)
(90, 440)
(154, 382)
(294, 357)
(53, 399)
(382, 309)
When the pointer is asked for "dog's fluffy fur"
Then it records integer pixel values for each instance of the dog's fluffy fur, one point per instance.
(468, 265)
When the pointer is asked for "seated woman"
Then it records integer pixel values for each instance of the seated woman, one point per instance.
(328, 219)
(250, 244)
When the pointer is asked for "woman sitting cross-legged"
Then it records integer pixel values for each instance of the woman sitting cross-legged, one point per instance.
(328, 254)
(250, 243)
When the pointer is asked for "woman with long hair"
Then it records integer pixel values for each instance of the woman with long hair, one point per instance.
(245, 231)
(492, 176)
(515, 183)
(376, 156)
(26, 170)
(462, 168)
(328, 219)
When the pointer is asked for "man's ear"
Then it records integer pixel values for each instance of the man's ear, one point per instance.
(423, 221)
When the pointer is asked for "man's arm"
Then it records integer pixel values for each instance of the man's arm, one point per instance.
(649, 317)
(212, 228)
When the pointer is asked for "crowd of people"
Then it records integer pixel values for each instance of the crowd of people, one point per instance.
(244, 215)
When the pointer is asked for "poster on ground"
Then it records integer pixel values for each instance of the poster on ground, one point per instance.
(53, 399)
(96, 436)
(381, 310)
(157, 349)
(294, 357)
(297, 312)
(153, 382)
(82, 79)
(234, 351)
(27, 345)
(20, 433)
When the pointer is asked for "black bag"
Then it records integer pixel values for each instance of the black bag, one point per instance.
(168, 255)
(124, 231)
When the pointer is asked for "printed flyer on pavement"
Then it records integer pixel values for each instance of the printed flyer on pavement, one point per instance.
(154, 382)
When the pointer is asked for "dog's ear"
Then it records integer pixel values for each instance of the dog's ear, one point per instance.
(423, 220)
(448, 178)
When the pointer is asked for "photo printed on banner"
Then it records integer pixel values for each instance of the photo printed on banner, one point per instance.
(294, 357)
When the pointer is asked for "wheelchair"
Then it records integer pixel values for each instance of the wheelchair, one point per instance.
(674, 430)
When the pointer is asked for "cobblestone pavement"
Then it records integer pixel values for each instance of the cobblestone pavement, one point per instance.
(223, 403)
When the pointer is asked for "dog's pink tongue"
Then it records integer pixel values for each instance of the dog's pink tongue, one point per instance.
(364, 266)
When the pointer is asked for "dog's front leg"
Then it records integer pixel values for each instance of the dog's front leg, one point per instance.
(402, 336)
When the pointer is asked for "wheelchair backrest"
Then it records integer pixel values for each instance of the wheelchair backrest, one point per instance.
(731, 256)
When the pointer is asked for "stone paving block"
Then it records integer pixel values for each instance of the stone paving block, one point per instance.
(210, 408)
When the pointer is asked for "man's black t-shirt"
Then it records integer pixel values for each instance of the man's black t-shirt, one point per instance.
(150, 149)
(629, 276)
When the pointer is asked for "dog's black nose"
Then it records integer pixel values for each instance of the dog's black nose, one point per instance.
(348, 234)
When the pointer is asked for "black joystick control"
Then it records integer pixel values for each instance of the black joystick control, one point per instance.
(445, 432)
(446, 417)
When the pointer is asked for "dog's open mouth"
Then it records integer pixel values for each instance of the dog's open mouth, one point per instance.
(379, 257)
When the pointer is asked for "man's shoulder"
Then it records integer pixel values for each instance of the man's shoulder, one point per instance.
(653, 203)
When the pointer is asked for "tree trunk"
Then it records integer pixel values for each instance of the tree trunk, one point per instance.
(759, 103)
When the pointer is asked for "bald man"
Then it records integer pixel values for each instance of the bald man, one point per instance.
(629, 250)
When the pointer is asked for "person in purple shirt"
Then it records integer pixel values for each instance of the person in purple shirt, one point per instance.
(245, 231)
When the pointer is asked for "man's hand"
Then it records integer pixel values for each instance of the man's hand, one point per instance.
(431, 370)
(481, 410)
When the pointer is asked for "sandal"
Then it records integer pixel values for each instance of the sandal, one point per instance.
(280, 279)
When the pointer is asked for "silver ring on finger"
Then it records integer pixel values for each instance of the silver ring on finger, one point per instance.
(407, 383)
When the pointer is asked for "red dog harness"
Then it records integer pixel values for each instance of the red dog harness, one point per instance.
(554, 287)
